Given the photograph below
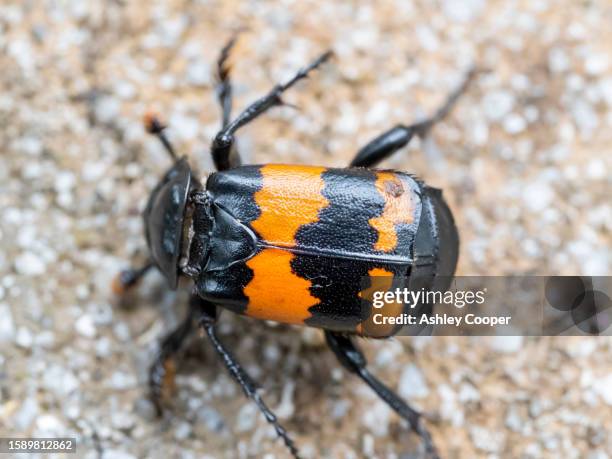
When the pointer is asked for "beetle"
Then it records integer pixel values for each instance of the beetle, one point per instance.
(293, 243)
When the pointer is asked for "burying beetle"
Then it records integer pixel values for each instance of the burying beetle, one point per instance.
(292, 243)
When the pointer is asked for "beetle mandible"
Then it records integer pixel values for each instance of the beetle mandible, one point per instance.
(292, 243)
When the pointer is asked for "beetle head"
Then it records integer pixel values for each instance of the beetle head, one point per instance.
(164, 216)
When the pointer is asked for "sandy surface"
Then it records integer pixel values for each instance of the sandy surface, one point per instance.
(524, 160)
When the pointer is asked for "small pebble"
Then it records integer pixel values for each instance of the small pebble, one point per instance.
(214, 422)
(538, 196)
(507, 344)
(117, 454)
(48, 425)
(144, 408)
(122, 381)
(376, 419)
(412, 383)
(7, 325)
(498, 104)
(59, 380)
(30, 264)
(85, 326)
(24, 338)
(514, 124)
(182, 431)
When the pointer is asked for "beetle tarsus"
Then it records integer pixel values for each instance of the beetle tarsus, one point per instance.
(207, 319)
(397, 137)
(351, 358)
(224, 84)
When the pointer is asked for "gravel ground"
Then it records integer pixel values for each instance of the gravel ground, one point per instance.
(524, 161)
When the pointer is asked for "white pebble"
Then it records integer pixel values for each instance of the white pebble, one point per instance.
(103, 347)
(122, 381)
(596, 63)
(498, 104)
(246, 418)
(558, 61)
(116, 454)
(412, 383)
(605, 87)
(184, 127)
(107, 109)
(26, 414)
(538, 196)
(584, 116)
(30, 264)
(49, 425)
(506, 344)
(29, 145)
(513, 420)
(198, 73)
(487, 440)
(348, 122)
(427, 38)
(182, 431)
(7, 326)
(596, 169)
(123, 421)
(449, 408)
(60, 381)
(377, 418)
(92, 171)
(85, 326)
(514, 123)
(468, 393)
(24, 338)
(64, 181)
(462, 10)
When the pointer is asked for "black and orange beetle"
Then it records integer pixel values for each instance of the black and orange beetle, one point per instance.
(293, 243)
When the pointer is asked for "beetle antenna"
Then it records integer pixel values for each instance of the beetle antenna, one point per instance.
(154, 126)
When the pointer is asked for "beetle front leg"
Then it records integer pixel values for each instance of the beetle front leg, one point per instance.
(389, 142)
(351, 358)
(128, 278)
(207, 319)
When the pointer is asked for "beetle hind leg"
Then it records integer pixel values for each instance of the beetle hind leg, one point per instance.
(351, 358)
(397, 137)
(206, 317)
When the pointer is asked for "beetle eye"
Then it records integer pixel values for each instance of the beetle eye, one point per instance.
(163, 219)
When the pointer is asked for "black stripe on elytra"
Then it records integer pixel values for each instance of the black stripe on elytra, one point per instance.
(342, 227)
(234, 190)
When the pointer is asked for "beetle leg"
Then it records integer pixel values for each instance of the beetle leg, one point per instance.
(351, 358)
(207, 319)
(128, 278)
(392, 140)
(161, 372)
(224, 140)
